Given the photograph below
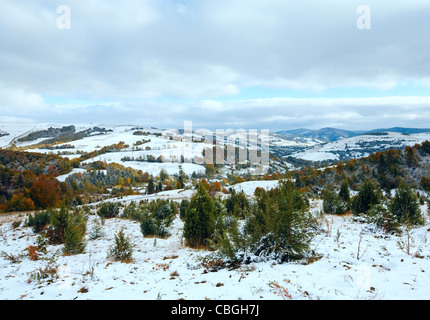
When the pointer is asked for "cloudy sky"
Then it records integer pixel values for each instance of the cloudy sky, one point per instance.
(253, 64)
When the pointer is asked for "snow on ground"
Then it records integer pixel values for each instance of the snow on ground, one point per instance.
(18, 130)
(355, 262)
(355, 146)
(176, 194)
(171, 150)
(63, 177)
(249, 187)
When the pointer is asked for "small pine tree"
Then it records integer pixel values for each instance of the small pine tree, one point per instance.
(366, 197)
(39, 220)
(59, 222)
(405, 205)
(183, 208)
(147, 224)
(199, 224)
(281, 226)
(333, 203)
(74, 234)
(151, 187)
(344, 192)
(380, 215)
(96, 231)
(159, 187)
(108, 210)
(122, 249)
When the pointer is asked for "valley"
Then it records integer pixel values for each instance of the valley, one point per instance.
(117, 163)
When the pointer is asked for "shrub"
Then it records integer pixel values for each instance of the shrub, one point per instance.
(229, 241)
(132, 212)
(405, 205)
(62, 227)
(151, 226)
(96, 231)
(344, 192)
(237, 204)
(280, 225)
(165, 213)
(367, 196)
(39, 220)
(156, 217)
(122, 249)
(32, 253)
(380, 215)
(108, 210)
(183, 207)
(333, 204)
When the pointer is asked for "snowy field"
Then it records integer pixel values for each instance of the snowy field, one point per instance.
(355, 146)
(354, 261)
(18, 130)
(249, 187)
(171, 150)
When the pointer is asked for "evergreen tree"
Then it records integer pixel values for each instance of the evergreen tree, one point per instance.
(122, 250)
(411, 157)
(159, 187)
(183, 207)
(237, 204)
(344, 191)
(59, 221)
(199, 224)
(333, 204)
(181, 183)
(163, 175)
(151, 187)
(282, 226)
(366, 197)
(405, 205)
(108, 210)
(74, 234)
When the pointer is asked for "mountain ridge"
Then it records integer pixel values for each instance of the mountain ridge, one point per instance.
(329, 134)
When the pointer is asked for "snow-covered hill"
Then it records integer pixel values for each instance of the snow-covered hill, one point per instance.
(172, 147)
(154, 144)
(169, 149)
(360, 146)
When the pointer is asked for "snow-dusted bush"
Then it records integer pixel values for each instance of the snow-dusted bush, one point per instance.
(279, 227)
(333, 204)
(157, 222)
(405, 205)
(108, 210)
(74, 234)
(39, 220)
(122, 249)
(380, 215)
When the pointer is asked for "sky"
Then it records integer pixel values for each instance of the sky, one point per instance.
(249, 64)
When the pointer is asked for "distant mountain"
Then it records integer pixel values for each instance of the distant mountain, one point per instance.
(294, 132)
(402, 130)
(323, 135)
(334, 134)
(360, 146)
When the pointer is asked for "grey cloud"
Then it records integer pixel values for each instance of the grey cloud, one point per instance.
(139, 54)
